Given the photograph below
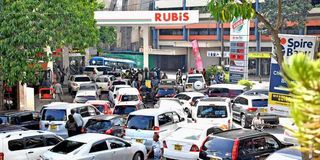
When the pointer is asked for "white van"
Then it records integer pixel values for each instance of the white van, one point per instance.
(215, 111)
(54, 116)
(142, 124)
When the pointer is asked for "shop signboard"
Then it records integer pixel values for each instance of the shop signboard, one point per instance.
(217, 54)
(278, 93)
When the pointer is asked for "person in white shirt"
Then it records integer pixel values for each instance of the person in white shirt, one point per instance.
(157, 148)
(257, 122)
(78, 118)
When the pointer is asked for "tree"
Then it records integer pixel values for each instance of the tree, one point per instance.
(272, 17)
(302, 76)
(29, 26)
(107, 36)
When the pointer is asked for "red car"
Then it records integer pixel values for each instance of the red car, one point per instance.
(102, 106)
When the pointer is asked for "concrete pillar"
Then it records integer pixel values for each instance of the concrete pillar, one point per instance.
(146, 45)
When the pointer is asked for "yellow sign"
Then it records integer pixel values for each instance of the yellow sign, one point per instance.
(148, 83)
(279, 99)
(259, 55)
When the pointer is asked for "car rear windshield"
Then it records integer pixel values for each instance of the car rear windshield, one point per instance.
(195, 79)
(167, 83)
(89, 69)
(66, 147)
(223, 149)
(102, 79)
(87, 87)
(166, 92)
(235, 92)
(95, 124)
(129, 98)
(218, 90)
(124, 109)
(26, 117)
(53, 115)
(260, 102)
(140, 122)
(119, 83)
(212, 112)
(82, 79)
(101, 69)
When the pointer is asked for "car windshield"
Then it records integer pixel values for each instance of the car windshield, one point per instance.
(119, 83)
(260, 102)
(195, 79)
(124, 110)
(222, 150)
(168, 82)
(218, 90)
(54, 115)
(235, 92)
(212, 112)
(166, 91)
(196, 98)
(66, 147)
(140, 122)
(187, 133)
(87, 87)
(99, 107)
(82, 79)
(88, 69)
(117, 88)
(95, 124)
(129, 98)
(101, 69)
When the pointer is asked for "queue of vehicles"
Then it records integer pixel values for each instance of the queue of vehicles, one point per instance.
(191, 125)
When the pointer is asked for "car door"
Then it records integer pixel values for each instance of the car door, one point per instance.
(265, 145)
(120, 149)
(34, 147)
(100, 151)
(166, 124)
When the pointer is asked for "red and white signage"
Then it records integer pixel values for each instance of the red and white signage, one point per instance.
(146, 17)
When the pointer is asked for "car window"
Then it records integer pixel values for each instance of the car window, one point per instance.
(100, 107)
(272, 144)
(26, 117)
(169, 91)
(223, 149)
(243, 101)
(140, 122)
(246, 147)
(87, 87)
(83, 111)
(88, 69)
(51, 140)
(34, 142)
(234, 93)
(212, 112)
(3, 119)
(165, 119)
(195, 79)
(101, 69)
(259, 102)
(119, 83)
(82, 79)
(259, 144)
(66, 147)
(15, 145)
(125, 98)
(115, 143)
(91, 111)
(99, 146)
(237, 100)
(219, 91)
(95, 124)
(118, 121)
(54, 115)
(196, 98)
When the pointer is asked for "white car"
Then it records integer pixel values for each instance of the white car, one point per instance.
(173, 104)
(94, 71)
(104, 82)
(75, 81)
(128, 94)
(113, 91)
(83, 97)
(189, 98)
(125, 108)
(142, 124)
(26, 144)
(194, 82)
(94, 146)
(215, 111)
(53, 117)
(185, 142)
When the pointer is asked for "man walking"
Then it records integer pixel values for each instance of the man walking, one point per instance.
(58, 91)
(157, 148)
(78, 118)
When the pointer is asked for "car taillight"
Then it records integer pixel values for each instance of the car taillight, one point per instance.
(165, 144)
(158, 95)
(156, 128)
(109, 131)
(235, 149)
(202, 148)
(252, 109)
(194, 148)
(1, 156)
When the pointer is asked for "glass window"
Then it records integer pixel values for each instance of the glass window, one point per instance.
(260, 103)
(101, 69)
(165, 119)
(91, 111)
(140, 122)
(170, 31)
(95, 124)
(224, 148)
(243, 101)
(234, 93)
(84, 111)
(259, 144)
(34, 142)
(194, 79)
(168, 91)
(100, 146)
(88, 69)
(124, 109)
(87, 87)
(119, 83)
(218, 90)
(99, 107)
(66, 147)
(82, 79)
(212, 112)
(272, 144)
(3, 119)
(15, 145)
(125, 98)
(115, 143)
(118, 121)
(246, 147)
(27, 117)
(54, 115)
(51, 141)
(196, 98)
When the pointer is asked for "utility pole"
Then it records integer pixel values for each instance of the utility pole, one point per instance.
(222, 45)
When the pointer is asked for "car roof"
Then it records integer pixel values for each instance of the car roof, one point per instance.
(88, 84)
(105, 76)
(89, 137)
(229, 86)
(291, 152)
(14, 113)
(259, 96)
(97, 102)
(198, 126)
(215, 99)
(67, 106)
(128, 91)
(194, 75)
(240, 133)
(128, 103)
(149, 112)
(80, 75)
(105, 117)
(192, 94)
(86, 93)
(23, 133)
(168, 80)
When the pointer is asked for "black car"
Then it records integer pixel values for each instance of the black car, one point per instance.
(9, 128)
(106, 124)
(240, 144)
(19, 118)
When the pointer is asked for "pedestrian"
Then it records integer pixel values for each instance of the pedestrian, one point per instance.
(164, 76)
(140, 78)
(79, 120)
(134, 83)
(71, 126)
(213, 80)
(157, 148)
(204, 73)
(158, 73)
(257, 121)
(58, 91)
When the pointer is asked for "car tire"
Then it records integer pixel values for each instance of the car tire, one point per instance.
(138, 156)
(243, 121)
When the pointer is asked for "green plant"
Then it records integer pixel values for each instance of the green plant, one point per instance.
(246, 83)
(302, 75)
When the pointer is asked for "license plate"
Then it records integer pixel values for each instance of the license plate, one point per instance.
(139, 140)
(215, 159)
(53, 127)
(178, 147)
(263, 110)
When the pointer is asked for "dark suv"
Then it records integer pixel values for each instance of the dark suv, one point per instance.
(240, 144)
(19, 118)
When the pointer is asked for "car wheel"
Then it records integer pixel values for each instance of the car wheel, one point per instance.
(243, 121)
(138, 156)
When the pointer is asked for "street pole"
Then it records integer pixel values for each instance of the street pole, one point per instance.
(257, 34)
(222, 45)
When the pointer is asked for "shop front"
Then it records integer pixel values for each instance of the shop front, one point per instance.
(259, 63)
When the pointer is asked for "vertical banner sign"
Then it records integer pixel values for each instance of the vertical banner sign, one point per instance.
(239, 39)
(196, 55)
(278, 93)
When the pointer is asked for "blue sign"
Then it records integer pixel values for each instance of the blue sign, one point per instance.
(277, 83)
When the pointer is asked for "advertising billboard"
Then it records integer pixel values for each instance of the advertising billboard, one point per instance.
(278, 92)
